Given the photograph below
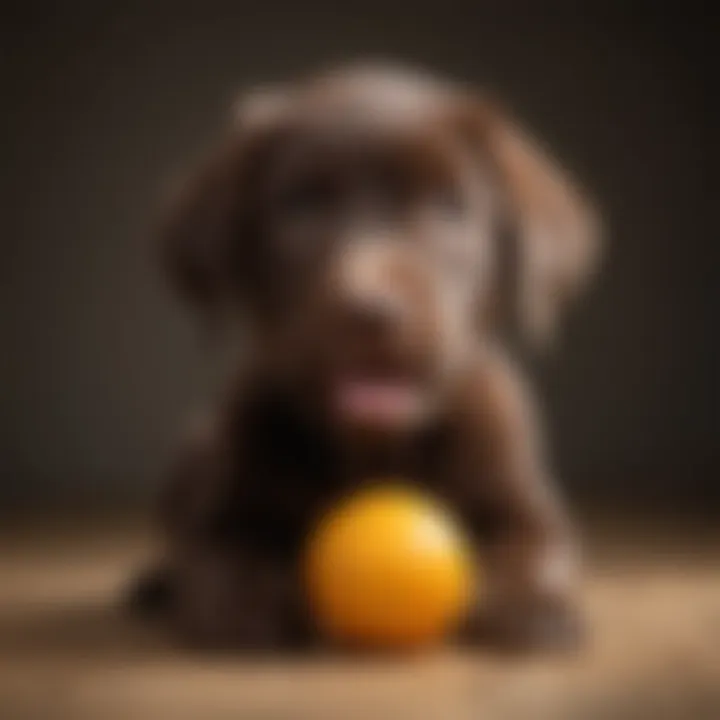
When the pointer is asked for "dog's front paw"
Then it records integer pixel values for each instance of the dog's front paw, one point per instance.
(527, 624)
(227, 603)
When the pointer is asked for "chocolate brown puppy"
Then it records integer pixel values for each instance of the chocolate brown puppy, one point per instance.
(380, 231)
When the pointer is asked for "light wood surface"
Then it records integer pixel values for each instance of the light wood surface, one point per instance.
(653, 600)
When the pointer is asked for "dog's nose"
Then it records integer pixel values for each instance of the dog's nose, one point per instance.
(372, 301)
(372, 317)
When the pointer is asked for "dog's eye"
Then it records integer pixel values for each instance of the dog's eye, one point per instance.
(307, 199)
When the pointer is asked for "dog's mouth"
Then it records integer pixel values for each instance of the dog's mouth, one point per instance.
(389, 402)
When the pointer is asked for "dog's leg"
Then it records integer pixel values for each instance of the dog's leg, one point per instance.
(230, 599)
(150, 593)
(529, 601)
(525, 544)
(228, 581)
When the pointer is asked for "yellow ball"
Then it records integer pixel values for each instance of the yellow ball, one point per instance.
(389, 567)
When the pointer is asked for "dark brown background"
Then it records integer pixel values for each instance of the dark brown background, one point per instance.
(100, 100)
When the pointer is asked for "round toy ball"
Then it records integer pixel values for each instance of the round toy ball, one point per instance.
(389, 568)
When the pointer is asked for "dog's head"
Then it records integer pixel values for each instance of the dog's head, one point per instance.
(366, 221)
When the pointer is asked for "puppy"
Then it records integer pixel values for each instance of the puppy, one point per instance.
(379, 231)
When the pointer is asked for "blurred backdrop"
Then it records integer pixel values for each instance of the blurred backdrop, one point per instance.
(102, 100)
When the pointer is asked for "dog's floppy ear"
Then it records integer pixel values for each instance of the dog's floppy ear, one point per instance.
(204, 229)
(197, 224)
(554, 231)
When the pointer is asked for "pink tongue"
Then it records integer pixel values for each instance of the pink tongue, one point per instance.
(377, 400)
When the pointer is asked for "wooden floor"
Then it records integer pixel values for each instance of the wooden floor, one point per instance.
(653, 600)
